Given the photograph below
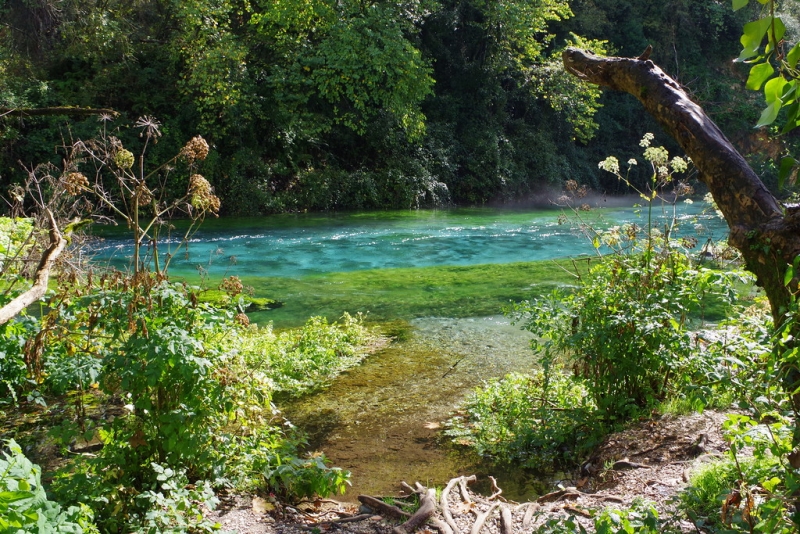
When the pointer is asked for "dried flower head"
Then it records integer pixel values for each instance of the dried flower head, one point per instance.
(201, 196)
(571, 185)
(75, 182)
(242, 319)
(150, 127)
(124, 158)
(195, 150)
(683, 189)
(143, 195)
(232, 285)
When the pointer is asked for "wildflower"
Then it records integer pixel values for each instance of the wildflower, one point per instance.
(632, 162)
(657, 155)
(678, 164)
(645, 142)
(75, 182)
(610, 164)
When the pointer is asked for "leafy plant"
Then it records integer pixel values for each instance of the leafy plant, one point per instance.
(531, 420)
(24, 506)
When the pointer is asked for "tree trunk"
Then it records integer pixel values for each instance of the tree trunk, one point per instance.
(767, 235)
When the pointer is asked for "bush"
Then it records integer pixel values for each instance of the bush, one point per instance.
(625, 328)
(531, 420)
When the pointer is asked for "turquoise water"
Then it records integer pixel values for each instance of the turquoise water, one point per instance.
(296, 246)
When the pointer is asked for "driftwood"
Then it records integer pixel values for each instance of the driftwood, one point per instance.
(451, 515)
(382, 508)
(427, 505)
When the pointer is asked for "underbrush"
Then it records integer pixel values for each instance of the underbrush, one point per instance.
(177, 394)
(528, 420)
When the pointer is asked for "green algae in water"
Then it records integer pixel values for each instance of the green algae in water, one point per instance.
(388, 294)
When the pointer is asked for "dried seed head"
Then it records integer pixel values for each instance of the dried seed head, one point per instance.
(74, 182)
(232, 285)
(242, 319)
(195, 150)
(144, 195)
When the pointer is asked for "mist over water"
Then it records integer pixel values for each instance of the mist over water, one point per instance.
(298, 245)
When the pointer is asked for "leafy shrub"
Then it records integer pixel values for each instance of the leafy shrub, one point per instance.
(625, 328)
(24, 506)
(640, 518)
(532, 420)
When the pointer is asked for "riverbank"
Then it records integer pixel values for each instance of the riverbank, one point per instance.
(651, 460)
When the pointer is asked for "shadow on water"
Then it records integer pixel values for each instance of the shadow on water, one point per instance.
(383, 420)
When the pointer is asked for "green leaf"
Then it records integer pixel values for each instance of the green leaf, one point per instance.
(752, 36)
(789, 275)
(769, 114)
(759, 74)
(787, 165)
(773, 90)
(739, 4)
(793, 56)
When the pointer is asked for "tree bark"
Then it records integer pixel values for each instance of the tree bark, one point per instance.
(767, 235)
(39, 287)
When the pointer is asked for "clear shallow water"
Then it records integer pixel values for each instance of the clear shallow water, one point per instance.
(295, 246)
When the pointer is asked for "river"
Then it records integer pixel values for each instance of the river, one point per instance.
(445, 274)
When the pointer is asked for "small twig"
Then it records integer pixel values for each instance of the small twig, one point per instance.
(496, 489)
(578, 511)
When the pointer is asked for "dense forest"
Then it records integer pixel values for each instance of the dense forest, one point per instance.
(319, 105)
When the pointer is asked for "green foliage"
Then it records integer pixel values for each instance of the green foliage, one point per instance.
(531, 420)
(24, 506)
(625, 329)
(16, 241)
(300, 360)
(640, 518)
(711, 485)
(174, 505)
(194, 389)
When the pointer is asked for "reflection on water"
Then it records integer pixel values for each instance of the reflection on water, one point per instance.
(382, 420)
